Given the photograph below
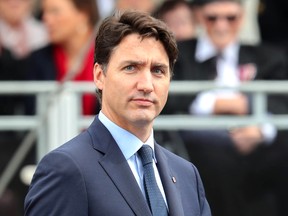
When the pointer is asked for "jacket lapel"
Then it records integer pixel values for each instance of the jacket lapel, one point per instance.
(247, 65)
(169, 183)
(245, 55)
(117, 168)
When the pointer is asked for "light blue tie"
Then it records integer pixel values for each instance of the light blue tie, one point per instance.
(154, 197)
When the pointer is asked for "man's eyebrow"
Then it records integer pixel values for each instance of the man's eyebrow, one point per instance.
(160, 65)
(141, 63)
(132, 62)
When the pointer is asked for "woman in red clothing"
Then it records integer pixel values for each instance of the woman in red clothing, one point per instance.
(71, 25)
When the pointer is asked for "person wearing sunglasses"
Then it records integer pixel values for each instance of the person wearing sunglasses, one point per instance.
(225, 158)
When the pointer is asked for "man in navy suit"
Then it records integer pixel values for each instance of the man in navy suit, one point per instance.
(99, 172)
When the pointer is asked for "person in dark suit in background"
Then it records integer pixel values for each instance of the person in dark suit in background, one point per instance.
(226, 158)
(100, 172)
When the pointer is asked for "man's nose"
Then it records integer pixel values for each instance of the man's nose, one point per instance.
(145, 81)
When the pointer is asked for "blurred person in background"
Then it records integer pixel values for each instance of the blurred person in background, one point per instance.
(20, 32)
(69, 55)
(24, 57)
(71, 28)
(178, 15)
(11, 69)
(232, 162)
(147, 6)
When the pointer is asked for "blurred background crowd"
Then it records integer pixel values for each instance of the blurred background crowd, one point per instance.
(244, 170)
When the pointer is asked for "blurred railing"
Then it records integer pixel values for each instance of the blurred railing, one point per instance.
(59, 118)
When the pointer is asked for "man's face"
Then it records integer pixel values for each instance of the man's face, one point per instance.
(222, 21)
(136, 83)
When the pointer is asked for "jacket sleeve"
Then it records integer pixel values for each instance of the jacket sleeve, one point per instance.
(57, 188)
(204, 206)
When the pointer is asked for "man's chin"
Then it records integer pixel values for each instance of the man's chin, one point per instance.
(144, 118)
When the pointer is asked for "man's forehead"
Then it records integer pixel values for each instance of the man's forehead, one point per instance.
(220, 7)
(205, 2)
(138, 53)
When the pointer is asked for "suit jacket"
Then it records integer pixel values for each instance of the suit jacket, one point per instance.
(12, 69)
(269, 64)
(42, 64)
(90, 176)
(273, 11)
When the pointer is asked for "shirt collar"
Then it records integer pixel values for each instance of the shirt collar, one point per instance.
(205, 50)
(128, 143)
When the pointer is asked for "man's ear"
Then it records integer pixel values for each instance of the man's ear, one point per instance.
(98, 76)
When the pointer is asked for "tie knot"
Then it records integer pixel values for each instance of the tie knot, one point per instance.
(145, 153)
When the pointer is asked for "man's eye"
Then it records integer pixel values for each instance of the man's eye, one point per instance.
(158, 71)
(129, 68)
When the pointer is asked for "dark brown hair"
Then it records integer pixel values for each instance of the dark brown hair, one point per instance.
(114, 28)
